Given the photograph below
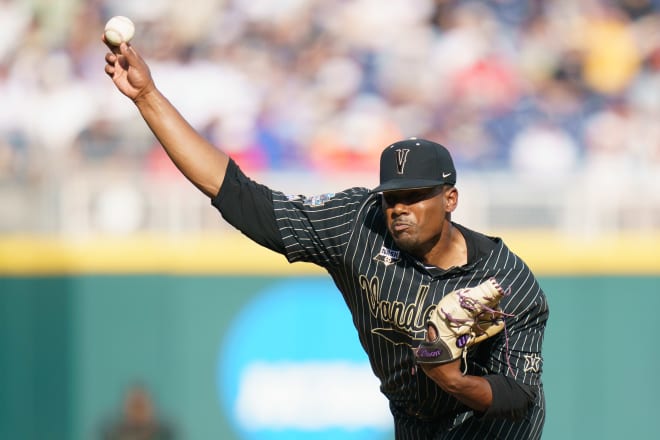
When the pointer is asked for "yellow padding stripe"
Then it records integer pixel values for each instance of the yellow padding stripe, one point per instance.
(546, 253)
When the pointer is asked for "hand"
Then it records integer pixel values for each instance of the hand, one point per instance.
(442, 374)
(128, 71)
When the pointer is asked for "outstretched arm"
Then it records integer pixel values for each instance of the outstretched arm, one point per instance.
(197, 159)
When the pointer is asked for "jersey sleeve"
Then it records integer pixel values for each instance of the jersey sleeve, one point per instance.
(248, 206)
(316, 229)
(313, 229)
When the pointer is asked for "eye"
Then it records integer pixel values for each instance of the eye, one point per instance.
(404, 197)
(408, 197)
(390, 198)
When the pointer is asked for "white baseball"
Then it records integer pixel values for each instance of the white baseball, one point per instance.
(119, 29)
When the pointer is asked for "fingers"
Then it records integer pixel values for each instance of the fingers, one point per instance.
(113, 48)
(110, 70)
(431, 333)
(110, 58)
(110, 64)
(120, 56)
(131, 55)
(115, 53)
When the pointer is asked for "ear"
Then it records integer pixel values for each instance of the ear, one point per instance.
(451, 199)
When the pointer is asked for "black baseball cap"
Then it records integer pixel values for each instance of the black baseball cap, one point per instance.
(415, 163)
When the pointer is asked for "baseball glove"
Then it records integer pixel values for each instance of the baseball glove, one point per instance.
(462, 319)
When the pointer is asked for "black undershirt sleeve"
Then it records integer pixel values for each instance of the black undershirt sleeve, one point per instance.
(248, 206)
(511, 399)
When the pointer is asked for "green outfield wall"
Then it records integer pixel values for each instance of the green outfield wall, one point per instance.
(72, 339)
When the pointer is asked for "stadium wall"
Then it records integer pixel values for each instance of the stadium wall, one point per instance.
(82, 321)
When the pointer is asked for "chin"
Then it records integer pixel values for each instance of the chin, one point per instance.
(407, 244)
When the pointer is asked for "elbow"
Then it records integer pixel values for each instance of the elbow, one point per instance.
(511, 400)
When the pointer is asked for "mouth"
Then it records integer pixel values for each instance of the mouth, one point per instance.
(400, 226)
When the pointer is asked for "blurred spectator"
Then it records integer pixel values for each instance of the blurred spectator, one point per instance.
(544, 152)
(138, 420)
(611, 56)
(310, 85)
(15, 18)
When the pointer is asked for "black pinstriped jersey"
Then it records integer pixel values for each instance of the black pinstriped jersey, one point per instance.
(390, 295)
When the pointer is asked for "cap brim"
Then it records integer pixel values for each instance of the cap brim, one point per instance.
(402, 184)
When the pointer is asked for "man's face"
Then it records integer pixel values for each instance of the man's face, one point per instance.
(415, 217)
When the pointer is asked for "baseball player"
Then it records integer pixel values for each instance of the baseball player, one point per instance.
(451, 319)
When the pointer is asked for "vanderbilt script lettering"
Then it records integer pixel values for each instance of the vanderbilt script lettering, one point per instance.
(410, 317)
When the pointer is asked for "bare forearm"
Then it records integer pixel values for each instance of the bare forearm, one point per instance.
(201, 162)
(472, 391)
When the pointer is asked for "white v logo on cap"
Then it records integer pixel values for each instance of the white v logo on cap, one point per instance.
(401, 157)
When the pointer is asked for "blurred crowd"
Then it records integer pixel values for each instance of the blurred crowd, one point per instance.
(539, 87)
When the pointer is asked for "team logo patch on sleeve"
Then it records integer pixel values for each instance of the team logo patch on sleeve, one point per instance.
(312, 201)
(388, 256)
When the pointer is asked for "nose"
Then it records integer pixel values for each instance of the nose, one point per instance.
(395, 203)
(399, 208)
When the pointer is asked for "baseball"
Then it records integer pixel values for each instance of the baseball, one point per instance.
(119, 29)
